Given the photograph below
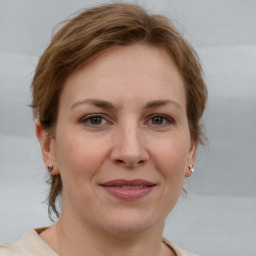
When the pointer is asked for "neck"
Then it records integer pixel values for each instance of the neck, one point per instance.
(81, 240)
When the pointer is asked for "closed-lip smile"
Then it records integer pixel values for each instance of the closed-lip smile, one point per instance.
(128, 189)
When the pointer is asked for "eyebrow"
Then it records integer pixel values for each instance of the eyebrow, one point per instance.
(98, 103)
(159, 103)
(108, 105)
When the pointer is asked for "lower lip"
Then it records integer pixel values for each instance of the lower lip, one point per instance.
(129, 194)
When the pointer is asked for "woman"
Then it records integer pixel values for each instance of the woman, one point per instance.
(117, 98)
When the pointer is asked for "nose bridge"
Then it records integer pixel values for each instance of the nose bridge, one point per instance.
(130, 140)
(129, 145)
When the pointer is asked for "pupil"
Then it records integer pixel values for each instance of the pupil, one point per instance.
(96, 120)
(157, 120)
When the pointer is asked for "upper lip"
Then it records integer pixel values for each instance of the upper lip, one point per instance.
(122, 182)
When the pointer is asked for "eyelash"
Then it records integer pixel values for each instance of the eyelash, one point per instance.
(165, 118)
(87, 120)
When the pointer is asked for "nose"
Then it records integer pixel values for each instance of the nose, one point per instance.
(129, 148)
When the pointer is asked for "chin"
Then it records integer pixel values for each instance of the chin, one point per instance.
(133, 223)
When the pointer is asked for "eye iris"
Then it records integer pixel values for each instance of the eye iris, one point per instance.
(96, 120)
(157, 120)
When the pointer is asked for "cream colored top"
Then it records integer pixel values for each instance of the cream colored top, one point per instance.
(31, 244)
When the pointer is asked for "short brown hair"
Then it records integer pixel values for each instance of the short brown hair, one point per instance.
(95, 30)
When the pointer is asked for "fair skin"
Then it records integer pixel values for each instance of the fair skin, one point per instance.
(122, 147)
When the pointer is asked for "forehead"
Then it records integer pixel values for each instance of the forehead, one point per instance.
(135, 72)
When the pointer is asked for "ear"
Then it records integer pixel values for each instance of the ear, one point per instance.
(191, 157)
(48, 146)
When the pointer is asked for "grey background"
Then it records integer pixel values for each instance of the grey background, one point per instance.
(218, 216)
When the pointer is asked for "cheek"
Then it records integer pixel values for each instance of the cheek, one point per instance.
(79, 156)
(171, 159)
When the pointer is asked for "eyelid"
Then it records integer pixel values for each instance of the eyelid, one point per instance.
(86, 118)
(169, 119)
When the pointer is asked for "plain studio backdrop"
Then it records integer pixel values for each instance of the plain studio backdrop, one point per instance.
(218, 216)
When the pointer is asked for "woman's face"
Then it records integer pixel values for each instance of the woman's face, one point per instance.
(122, 143)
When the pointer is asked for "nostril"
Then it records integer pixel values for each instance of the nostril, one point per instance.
(141, 162)
(129, 163)
(119, 161)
